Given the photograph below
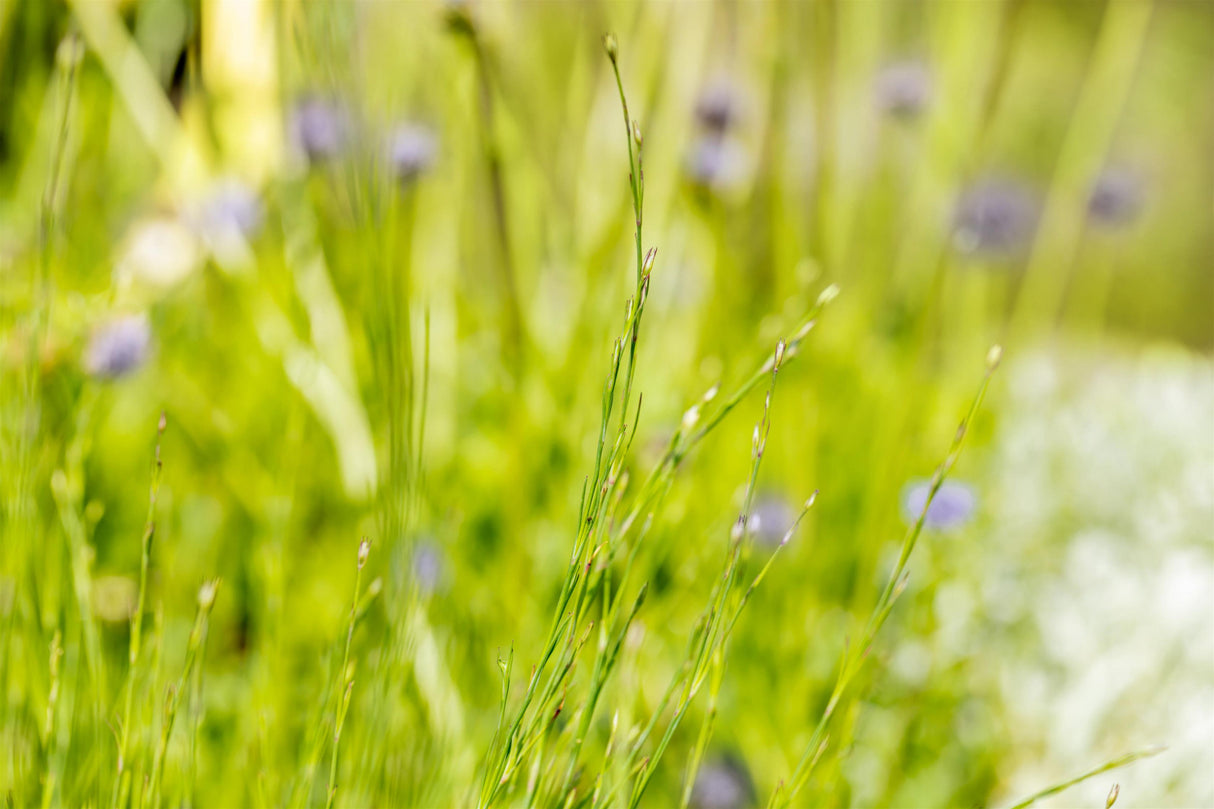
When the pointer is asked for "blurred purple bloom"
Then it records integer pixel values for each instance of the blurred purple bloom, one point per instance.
(118, 347)
(770, 518)
(994, 217)
(723, 783)
(719, 106)
(904, 89)
(411, 150)
(320, 128)
(1116, 197)
(715, 162)
(231, 205)
(429, 566)
(952, 507)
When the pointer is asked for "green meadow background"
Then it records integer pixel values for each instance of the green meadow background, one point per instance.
(367, 260)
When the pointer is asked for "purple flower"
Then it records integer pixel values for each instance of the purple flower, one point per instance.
(715, 162)
(770, 518)
(1116, 197)
(231, 206)
(904, 89)
(411, 150)
(429, 566)
(723, 783)
(994, 217)
(118, 347)
(951, 508)
(320, 128)
(719, 106)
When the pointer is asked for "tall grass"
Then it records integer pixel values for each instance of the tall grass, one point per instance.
(434, 358)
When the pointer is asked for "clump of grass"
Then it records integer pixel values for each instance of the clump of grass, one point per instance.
(530, 741)
(597, 721)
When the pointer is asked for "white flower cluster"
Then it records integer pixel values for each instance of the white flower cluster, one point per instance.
(1095, 576)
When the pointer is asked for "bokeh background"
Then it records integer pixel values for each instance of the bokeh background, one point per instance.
(288, 225)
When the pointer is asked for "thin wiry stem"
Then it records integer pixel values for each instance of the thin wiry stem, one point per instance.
(854, 657)
(1103, 768)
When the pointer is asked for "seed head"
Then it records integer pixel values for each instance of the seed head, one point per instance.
(206, 594)
(691, 417)
(364, 550)
(994, 356)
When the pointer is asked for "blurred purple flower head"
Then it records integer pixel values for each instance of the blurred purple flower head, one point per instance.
(904, 89)
(719, 106)
(429, 566)
(715, 162)
(118, 347)
(1116, 197)
(231, 206)
(411, 150)
(952, 507)
(770, 518)
(994, 217)
(723, 783)
(320, 128)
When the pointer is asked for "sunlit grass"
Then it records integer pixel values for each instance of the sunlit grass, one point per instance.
(385, 424)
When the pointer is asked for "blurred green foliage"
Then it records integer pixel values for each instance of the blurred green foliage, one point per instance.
(371, 258)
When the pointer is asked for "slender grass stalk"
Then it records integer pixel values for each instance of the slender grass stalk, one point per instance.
(194, 651)
(614, 441)
(67, 490)
(465, 26)
(709, 639)
(121, 780)
(24, 431)
(854, 657)
(1105, 90)
(197, 709)
(52, 704)
(346, 674)
(1116, 763)
(601, 537)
